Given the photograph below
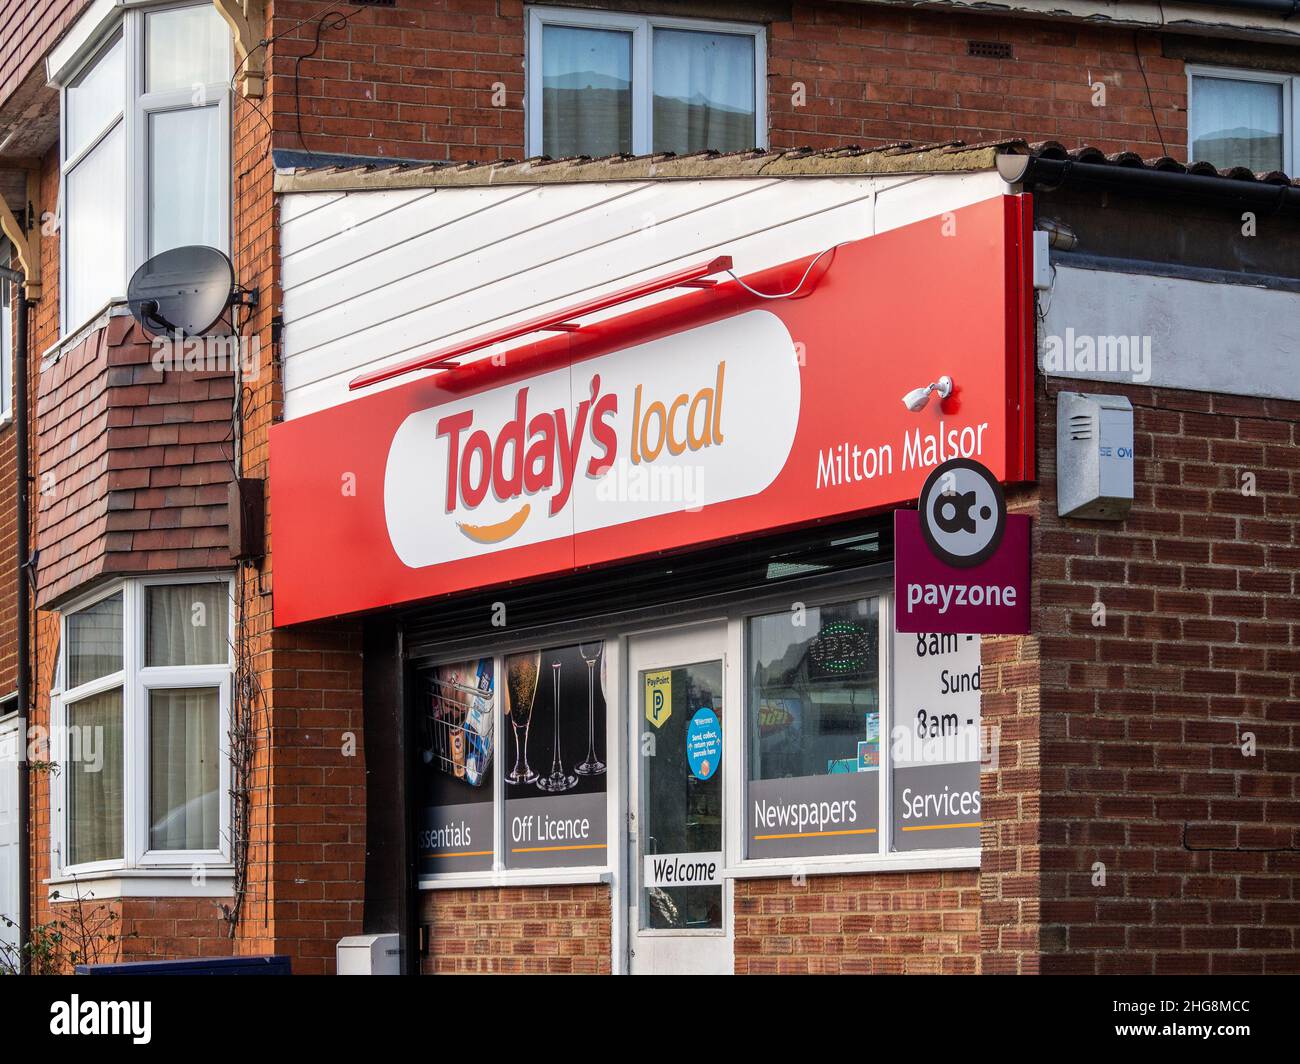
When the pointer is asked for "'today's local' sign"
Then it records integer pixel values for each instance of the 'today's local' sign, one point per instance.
(709, 416)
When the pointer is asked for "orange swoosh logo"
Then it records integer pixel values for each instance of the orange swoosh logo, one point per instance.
(499, 531)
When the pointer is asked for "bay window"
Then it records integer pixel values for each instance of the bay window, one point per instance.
(601, 83)
(1242, 118)
(6, 342)
(145, 150)
(140, 720)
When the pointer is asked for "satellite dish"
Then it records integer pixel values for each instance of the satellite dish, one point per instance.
(186, 289)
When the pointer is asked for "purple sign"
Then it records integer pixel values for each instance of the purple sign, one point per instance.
(991, 598)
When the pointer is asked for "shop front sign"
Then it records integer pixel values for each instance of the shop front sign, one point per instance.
(713, 415)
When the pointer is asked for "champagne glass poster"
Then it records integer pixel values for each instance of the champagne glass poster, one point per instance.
(555, 763)
(456, 719)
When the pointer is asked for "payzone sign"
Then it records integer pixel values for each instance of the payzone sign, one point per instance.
(706, 417)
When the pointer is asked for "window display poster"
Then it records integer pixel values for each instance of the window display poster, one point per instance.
(554, 714)
(935, 741)
(456, 716)
(814, 732)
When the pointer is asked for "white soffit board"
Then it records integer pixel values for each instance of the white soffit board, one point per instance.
(375, 277)
(1200, 335)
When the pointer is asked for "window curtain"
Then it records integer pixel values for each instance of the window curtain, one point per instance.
(183, 769)
(703, 91)
(95, 641)
(185, 178)
(1237, 123)
(94, 774)
(187, 625)
(586, 92)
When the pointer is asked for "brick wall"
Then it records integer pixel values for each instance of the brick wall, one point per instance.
(517, 930)
(875, 76)
(1011, 700)
(306, 881)
(902, 923)
(1144, 718)
(417, 81)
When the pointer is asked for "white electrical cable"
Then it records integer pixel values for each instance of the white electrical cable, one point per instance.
(793, 291)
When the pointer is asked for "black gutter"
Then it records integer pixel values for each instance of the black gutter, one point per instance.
(1234, 193)
(1285, 8)
(22, 306)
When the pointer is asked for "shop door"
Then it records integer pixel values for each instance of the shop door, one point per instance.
(679, 907)
(9, 841)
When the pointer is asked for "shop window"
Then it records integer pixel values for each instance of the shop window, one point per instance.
(145, 151)
(813, 731)
(1242, 118)
(819, 734)
(139, 717)
(601, 83)
(936, 743)
(531, 793)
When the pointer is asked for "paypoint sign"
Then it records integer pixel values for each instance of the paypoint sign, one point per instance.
(709, 416)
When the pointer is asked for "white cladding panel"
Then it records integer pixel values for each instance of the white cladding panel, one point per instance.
(374, 277)
(1170, 332)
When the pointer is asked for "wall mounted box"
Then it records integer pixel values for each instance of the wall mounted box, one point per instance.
(1094, 456)
(369, 955)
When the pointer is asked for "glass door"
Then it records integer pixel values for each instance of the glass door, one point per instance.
(680, 906)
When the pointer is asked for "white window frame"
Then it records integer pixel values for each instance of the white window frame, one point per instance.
(130, 24)
(641, 27)
(1290, 105)
(136, 681)
(6, 341)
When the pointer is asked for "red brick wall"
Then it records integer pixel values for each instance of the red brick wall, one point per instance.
(307, 860)
(1144, 717)
(901, 923)
(1010, 837)
(517, 930)
(132, 464)
(874, 76)
(416, 81)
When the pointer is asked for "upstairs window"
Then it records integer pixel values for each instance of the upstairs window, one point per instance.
(145, 151)
(6, 342)
(1242, 118)
(601, 83)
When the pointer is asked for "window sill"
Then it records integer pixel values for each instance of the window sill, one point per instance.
(918, 861)
(6, 419)
(141, 883)
(530, 878)
(113, 308)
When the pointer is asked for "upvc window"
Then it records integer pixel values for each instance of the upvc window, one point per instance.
(1243, 118)
(6, 342)
(140, 720)
(145, 150)
(601, 83)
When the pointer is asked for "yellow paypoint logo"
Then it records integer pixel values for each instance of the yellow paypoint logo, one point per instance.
(658, 696)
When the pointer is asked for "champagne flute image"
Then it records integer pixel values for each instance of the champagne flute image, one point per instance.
(590, 652)
(521, 691)
(557, 781)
